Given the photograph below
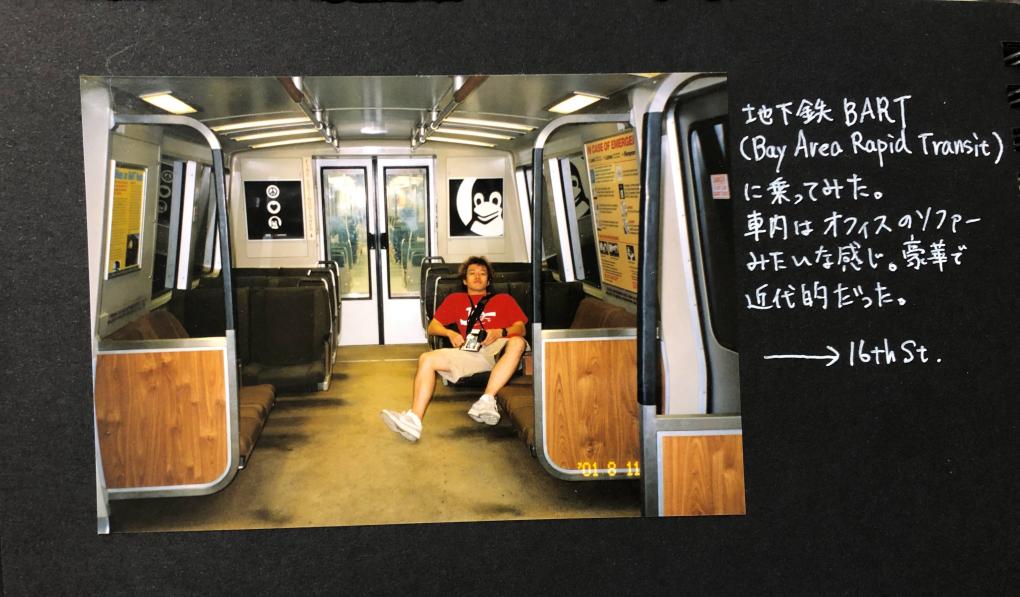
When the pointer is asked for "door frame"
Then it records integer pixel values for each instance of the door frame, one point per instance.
(397, 320)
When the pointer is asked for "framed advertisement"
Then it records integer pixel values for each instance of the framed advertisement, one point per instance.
(124, 226)
(274, 209)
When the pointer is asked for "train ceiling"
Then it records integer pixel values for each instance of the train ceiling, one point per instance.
(363, 109)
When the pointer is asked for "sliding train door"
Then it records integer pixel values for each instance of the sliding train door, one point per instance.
(691, 429)
(375, 214)
(697, 129)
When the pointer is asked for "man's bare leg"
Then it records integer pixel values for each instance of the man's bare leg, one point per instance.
(429, 363)
(506, 365)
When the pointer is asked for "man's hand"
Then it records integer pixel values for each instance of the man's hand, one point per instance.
(491, 336)
(455, 338)
(437, 329)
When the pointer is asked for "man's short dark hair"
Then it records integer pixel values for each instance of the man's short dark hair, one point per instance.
(475, 260)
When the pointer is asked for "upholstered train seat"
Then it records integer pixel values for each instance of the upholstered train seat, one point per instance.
(517, 399)
(254, 401)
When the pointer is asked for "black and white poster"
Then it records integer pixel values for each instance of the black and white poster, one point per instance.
(165, 195)
(274, 210)
(476, 207)
(580, 186)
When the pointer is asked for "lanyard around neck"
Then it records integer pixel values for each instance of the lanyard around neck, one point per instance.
(476, 312)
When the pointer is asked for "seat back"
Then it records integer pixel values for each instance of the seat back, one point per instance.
(595, 313)
(560, 301)
(154, 325)
(289, 326)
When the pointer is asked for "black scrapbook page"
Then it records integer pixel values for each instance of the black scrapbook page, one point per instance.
(868, 168)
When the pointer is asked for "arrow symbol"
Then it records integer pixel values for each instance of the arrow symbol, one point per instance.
(833, 356)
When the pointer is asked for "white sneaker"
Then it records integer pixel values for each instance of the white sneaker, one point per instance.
(406, 424)
(484, 410)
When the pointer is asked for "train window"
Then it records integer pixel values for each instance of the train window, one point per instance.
(203, 225)
(124, 226)
(551, 226)
(407, 230)
(576, 171)
(710, 164)
(523, 186)
(524, 180)
(346, 207)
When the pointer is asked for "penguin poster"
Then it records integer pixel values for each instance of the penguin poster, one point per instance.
(476, 207)
(579, 187)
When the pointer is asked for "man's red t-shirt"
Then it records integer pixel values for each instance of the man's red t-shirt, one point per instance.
(501, 311)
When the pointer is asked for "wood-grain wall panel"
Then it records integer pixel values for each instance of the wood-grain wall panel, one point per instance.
(591, 412)
(161, 417)
(702, 475)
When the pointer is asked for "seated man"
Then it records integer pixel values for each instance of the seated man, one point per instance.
(499, 319)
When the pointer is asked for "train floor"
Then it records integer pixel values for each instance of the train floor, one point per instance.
(327, 459)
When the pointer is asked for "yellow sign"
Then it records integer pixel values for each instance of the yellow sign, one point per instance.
(124, 248)
(616, 192)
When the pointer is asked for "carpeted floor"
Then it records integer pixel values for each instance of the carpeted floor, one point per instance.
(327, 459)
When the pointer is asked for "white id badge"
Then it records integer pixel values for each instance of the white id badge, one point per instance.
(473, 343)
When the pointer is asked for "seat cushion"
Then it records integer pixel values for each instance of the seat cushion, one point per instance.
(521, 379)
(289, 377)
(253, 406)
(249, 427)
(260, 397)
(518, 402)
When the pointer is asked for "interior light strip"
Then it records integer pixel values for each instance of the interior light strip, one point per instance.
(469, 133)
(490, 123)
(290, 142)
(461, 141)
(254, 124)
(284, 133)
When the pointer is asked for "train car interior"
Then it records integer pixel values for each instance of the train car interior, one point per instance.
(266, 254)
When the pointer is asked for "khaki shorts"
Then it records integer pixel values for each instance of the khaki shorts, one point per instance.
(464, 363)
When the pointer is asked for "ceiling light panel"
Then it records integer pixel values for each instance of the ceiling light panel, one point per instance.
(574, 103)
(164, 100)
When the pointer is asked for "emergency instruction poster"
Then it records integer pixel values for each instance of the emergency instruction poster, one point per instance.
(616, 184)
(125, 219)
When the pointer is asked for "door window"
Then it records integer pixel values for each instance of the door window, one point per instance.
(346, 204)
(406, 228)
(710, 164)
